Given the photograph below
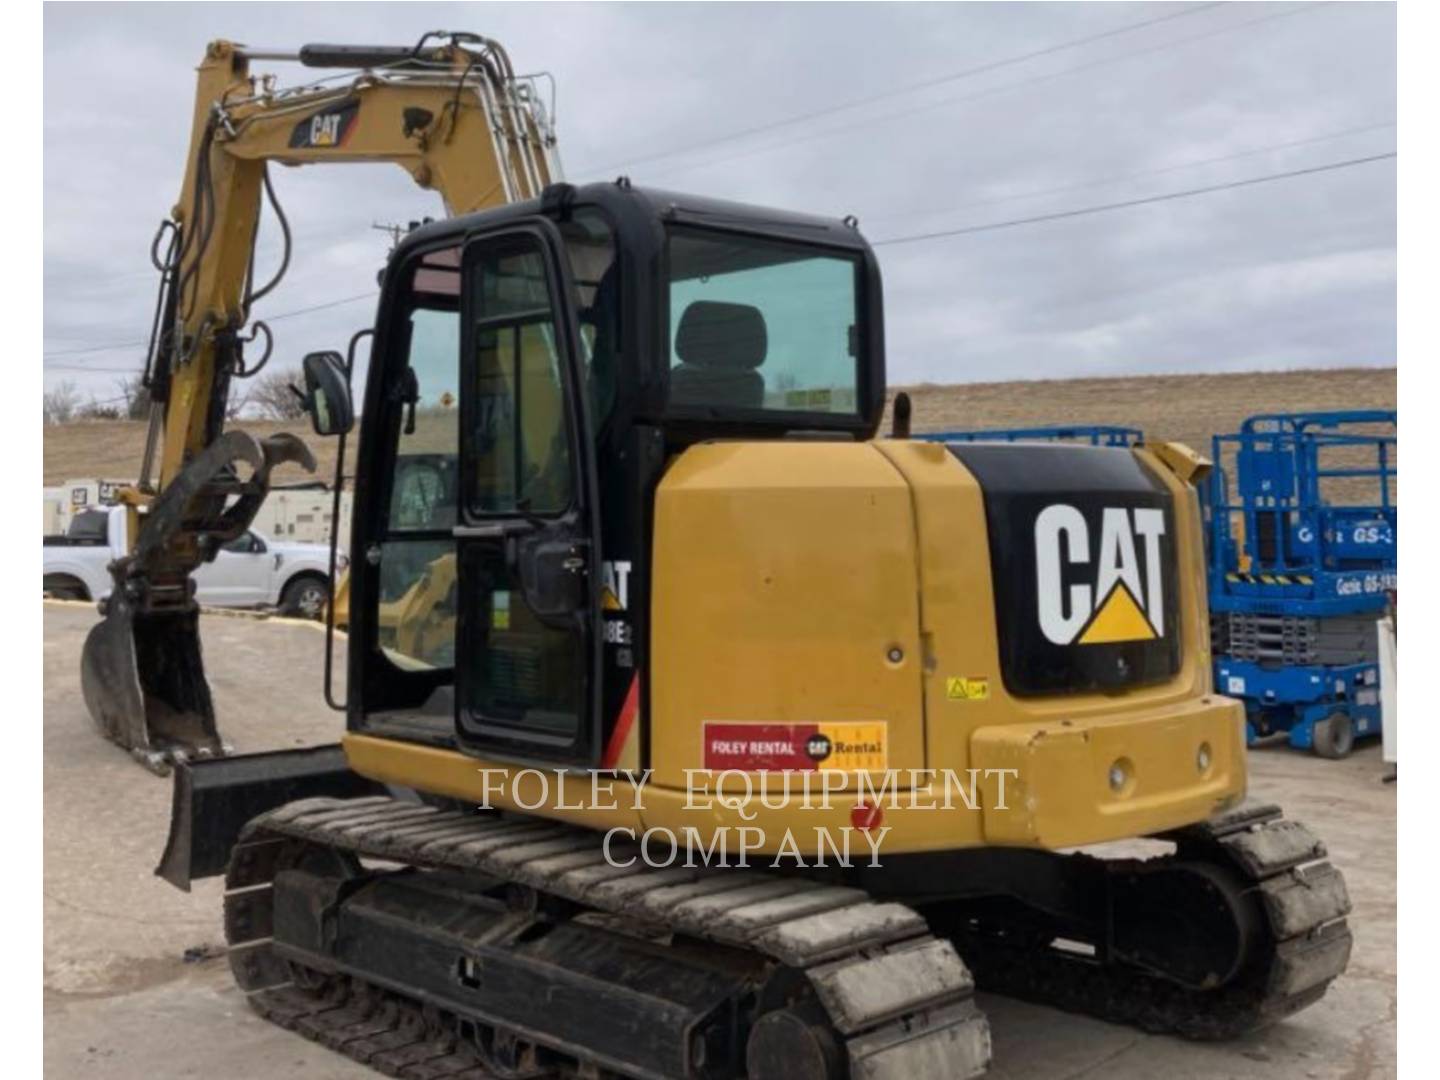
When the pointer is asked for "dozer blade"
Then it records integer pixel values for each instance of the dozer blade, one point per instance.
(141, 671)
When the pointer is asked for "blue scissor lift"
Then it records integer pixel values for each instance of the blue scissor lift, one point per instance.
(1301, 564)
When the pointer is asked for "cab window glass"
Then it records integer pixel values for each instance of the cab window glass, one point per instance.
(762, 324)
(590, 246)
(422, 496)
(415, 612)
(243, 544)
(518, 429)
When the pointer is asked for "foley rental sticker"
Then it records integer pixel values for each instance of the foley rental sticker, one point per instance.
(845, 747)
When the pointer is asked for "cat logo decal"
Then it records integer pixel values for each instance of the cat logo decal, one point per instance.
(1099, 589)
(325, 130)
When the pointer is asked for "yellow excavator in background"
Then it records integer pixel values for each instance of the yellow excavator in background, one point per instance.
(451, 112)
(639, 599)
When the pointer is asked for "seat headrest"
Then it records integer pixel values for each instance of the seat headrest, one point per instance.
(719, 335)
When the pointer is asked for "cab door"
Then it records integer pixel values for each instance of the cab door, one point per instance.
(527, 663)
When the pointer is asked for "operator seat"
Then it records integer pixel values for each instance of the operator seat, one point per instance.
(719, 345)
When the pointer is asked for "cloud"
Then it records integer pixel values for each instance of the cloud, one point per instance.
(1295, 273)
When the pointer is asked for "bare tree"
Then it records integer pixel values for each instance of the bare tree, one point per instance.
(136, 399)
(61, 403)
(101, 410)
(235, 403)
(135, 396)
(270, 393)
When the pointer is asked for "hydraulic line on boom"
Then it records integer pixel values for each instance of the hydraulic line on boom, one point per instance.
(451, 111)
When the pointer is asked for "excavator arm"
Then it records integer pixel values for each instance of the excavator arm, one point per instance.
(451, 112)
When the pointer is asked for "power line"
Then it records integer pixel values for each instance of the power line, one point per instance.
(101, 279)
(1139, 174)
(918, 237)
(101, 402)
(113, 346)
(92, 403)
(322, 307)
(923, 84)
(1168, 196)
(95, 370)
(1288, 12)
(843, 106)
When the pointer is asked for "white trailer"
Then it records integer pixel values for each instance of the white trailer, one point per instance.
(87, 493)
(299, 514)
(54, 521)
(302, 514)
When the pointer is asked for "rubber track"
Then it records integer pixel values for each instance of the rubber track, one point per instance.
(899, 1001)
(1303, 901)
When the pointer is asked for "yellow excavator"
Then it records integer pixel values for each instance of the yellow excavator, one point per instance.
(730, 738)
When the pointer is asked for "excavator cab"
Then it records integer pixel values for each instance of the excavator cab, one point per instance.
(535, 370)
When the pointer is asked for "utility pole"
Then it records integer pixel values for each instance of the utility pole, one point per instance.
(397, 231)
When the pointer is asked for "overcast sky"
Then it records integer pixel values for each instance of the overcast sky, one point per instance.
(1290, 273)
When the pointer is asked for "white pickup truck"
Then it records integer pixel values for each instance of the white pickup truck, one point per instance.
(251, 571)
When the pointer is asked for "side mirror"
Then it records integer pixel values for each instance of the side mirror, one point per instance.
(327, 393)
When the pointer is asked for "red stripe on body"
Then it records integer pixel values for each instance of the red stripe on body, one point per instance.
(623, 723)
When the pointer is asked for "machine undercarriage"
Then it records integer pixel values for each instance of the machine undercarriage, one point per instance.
(428, 942)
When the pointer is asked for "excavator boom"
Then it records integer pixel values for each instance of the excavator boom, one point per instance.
(451, 112)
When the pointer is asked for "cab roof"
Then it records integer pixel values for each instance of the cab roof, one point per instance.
(659, 206)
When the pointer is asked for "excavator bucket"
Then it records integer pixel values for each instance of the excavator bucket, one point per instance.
(144, 684)
(141, 671)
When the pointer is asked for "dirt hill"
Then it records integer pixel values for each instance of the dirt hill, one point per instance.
(1189, 408)
(111, 449)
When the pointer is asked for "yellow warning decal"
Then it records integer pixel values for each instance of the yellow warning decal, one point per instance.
(855, 747)
(1118, 619)
(959, 688)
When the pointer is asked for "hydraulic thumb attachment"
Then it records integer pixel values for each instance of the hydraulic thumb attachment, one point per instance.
(141, 669)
